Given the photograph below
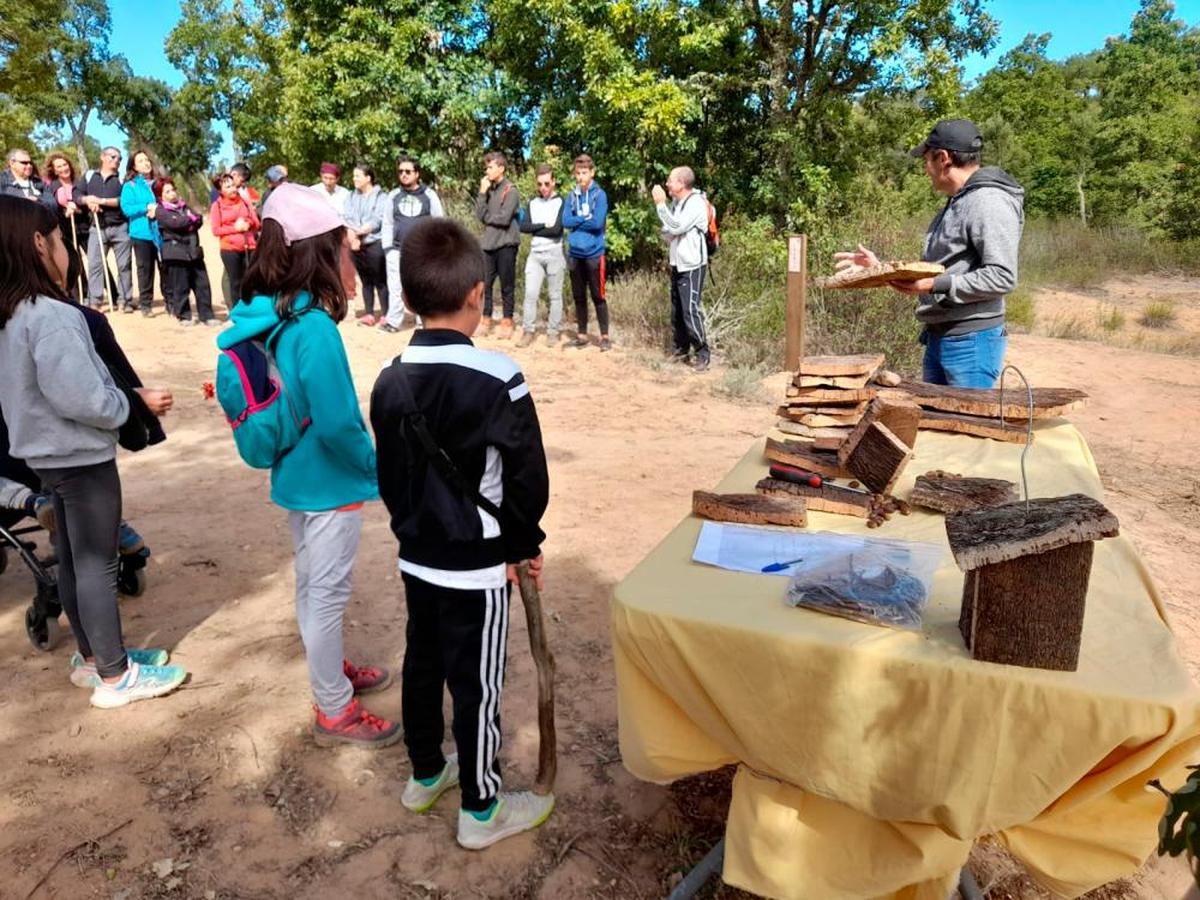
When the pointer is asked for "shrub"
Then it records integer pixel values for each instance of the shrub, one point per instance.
(1109, 318)
(1158, 314)
(1019, 310)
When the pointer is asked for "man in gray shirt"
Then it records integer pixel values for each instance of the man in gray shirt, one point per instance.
(496, 207)
(975, 236)
(684, 224)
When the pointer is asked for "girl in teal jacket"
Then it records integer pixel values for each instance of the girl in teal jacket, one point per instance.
(325, 479)
(141, 208)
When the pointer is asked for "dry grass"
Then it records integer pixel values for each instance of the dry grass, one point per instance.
(1158, 314)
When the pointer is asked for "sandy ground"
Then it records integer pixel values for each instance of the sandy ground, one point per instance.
(219, 792)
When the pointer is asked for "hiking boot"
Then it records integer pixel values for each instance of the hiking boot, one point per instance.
(527, 338)
(511, 814)
(148, 311)
(366, 679)
(505, 331)
(354, 725)
(605, 344)
(485, 327)
(702, 362)
(84, 674)
(419, 798)
(580, 340)
(138, 683)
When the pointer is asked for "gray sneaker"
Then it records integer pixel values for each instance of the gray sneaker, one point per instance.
(513, 813)
(527, 338)
(419, 798)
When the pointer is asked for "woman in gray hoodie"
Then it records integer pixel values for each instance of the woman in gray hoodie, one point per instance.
(62, 410)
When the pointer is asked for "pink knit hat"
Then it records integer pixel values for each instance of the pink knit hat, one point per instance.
(301, 211)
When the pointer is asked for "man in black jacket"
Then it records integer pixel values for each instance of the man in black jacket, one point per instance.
(496, 207)
(21, 179)
(463, 521)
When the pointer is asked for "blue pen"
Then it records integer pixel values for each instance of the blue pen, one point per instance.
(780, 566)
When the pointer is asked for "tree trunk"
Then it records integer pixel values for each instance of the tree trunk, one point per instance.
(78, 137)
(1082, 199)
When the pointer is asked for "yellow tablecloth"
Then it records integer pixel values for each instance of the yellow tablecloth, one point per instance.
(870, 758)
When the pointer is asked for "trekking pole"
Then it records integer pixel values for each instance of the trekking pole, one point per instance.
(543, 659)
(79, 270)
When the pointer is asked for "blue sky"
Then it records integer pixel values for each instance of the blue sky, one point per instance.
(1077, 27)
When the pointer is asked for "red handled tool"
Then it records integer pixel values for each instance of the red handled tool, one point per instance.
(795, 475)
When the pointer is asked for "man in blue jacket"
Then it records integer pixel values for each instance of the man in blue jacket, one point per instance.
(585, 213)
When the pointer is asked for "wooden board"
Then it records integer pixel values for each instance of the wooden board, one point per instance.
(862, 364)
(848, 382)
(822, 499)
(803, 456)
(902, 418)
(821, 420)
(982, 537)
(880, 275)
(879, 458)
(750, 509)
(838, 396)
(787, 426)
(978, 426)
(799, 405)
(947, 493)
(1048, 403)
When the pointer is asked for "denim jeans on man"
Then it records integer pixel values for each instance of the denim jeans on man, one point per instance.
(970, 360)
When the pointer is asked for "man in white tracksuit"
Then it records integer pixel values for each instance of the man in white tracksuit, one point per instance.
(406, 205)
(684, 224)
(544, 220)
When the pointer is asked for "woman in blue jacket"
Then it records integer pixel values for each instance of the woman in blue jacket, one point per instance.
(324, 480)
(141, 208)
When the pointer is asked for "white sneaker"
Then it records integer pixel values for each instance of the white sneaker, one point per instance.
(84, 674)
(513, 813)
(419, 798)
(139, 683)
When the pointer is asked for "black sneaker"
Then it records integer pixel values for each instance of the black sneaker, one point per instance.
(605, 344)
(389, 328)
(702, 362)
(147, 311)
(580, 340)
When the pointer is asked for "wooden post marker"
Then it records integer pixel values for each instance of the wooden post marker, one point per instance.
(543, 660)
(797, 294)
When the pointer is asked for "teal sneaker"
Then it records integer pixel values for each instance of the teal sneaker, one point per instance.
(419, 798)
(139, 683)
(84, 675)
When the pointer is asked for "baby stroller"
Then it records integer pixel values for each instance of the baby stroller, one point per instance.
(17, 534)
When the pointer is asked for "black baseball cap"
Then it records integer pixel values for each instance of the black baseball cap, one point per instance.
(959, 135)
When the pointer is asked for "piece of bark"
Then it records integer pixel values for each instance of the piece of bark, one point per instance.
(827, 445)
(818, 420)
(826, 396)
(984, 537)
(803, 456)
(901, 417)
(1028, 611)
(977, 426)
(842, 366)
(787, 426)
(887, 378)
(821, 408)
(878, 458)
(823, 499)
(543, 661)
(880, 275)
(948, 493)
(848, 382)
(1048, 403)
(750, 509)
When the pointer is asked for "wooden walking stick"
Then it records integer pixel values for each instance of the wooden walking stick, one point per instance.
(79, 269)
(106, 287)
(544, 660)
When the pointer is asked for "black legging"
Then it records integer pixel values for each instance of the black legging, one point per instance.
(372, 272)
(585, 274)
(146, 255)
(500, 262)
(87, 505)
(235, 262)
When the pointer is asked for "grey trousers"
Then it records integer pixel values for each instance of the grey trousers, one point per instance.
(116, 240)
(325, 545)
(396, 308)
(544, 264)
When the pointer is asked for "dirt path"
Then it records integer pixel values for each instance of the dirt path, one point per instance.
(222, 779)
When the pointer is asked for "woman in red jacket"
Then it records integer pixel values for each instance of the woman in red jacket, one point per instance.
(236, 223)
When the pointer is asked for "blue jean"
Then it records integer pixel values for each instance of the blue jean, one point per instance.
(965, 360)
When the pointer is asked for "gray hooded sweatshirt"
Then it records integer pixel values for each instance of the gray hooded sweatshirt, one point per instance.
(975, 237)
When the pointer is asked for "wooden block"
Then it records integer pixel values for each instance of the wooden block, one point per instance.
(948, 493)
(849, 382)
(977, 426)
(800, 405)
(887, 378)
(1048, 403)
(841, 366)
(837, 396)
(983, 537)
(803, 456)
(901, 417)
(787, 426)
(823, 499)
(817, 420)
(750, 509)
(880, 275)
(878, 458)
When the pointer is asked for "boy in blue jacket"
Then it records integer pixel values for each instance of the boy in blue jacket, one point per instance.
(585, 214)
(463, 525)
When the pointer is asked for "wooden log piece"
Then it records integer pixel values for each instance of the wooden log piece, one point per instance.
(803, 456)
(847, 382)
(901, 417)
(976, 426)
(880, 275)
(879, 458)
(842, 366)
(750, 509)
(543, 661)
(1048, 403)
(787, 426)
(836, 396)
(982, 537)
(798, 405)
(822, 499)
(947, 493)
(818, 420)
(887, 378)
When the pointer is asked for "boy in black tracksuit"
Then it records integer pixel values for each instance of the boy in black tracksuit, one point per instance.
(456, 559)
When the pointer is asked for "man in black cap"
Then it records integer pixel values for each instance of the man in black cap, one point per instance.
(975, 236)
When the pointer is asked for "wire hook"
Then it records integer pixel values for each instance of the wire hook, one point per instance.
(1029, 427)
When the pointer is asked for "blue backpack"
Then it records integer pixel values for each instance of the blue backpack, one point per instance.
(256, 402)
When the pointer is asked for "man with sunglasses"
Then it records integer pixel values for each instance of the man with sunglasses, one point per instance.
(544, 221)
(103, 198)
(20, 179)
(406, 205)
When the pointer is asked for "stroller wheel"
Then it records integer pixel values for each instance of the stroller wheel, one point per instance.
(131, 581)
(3, 559)
(44, 632)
